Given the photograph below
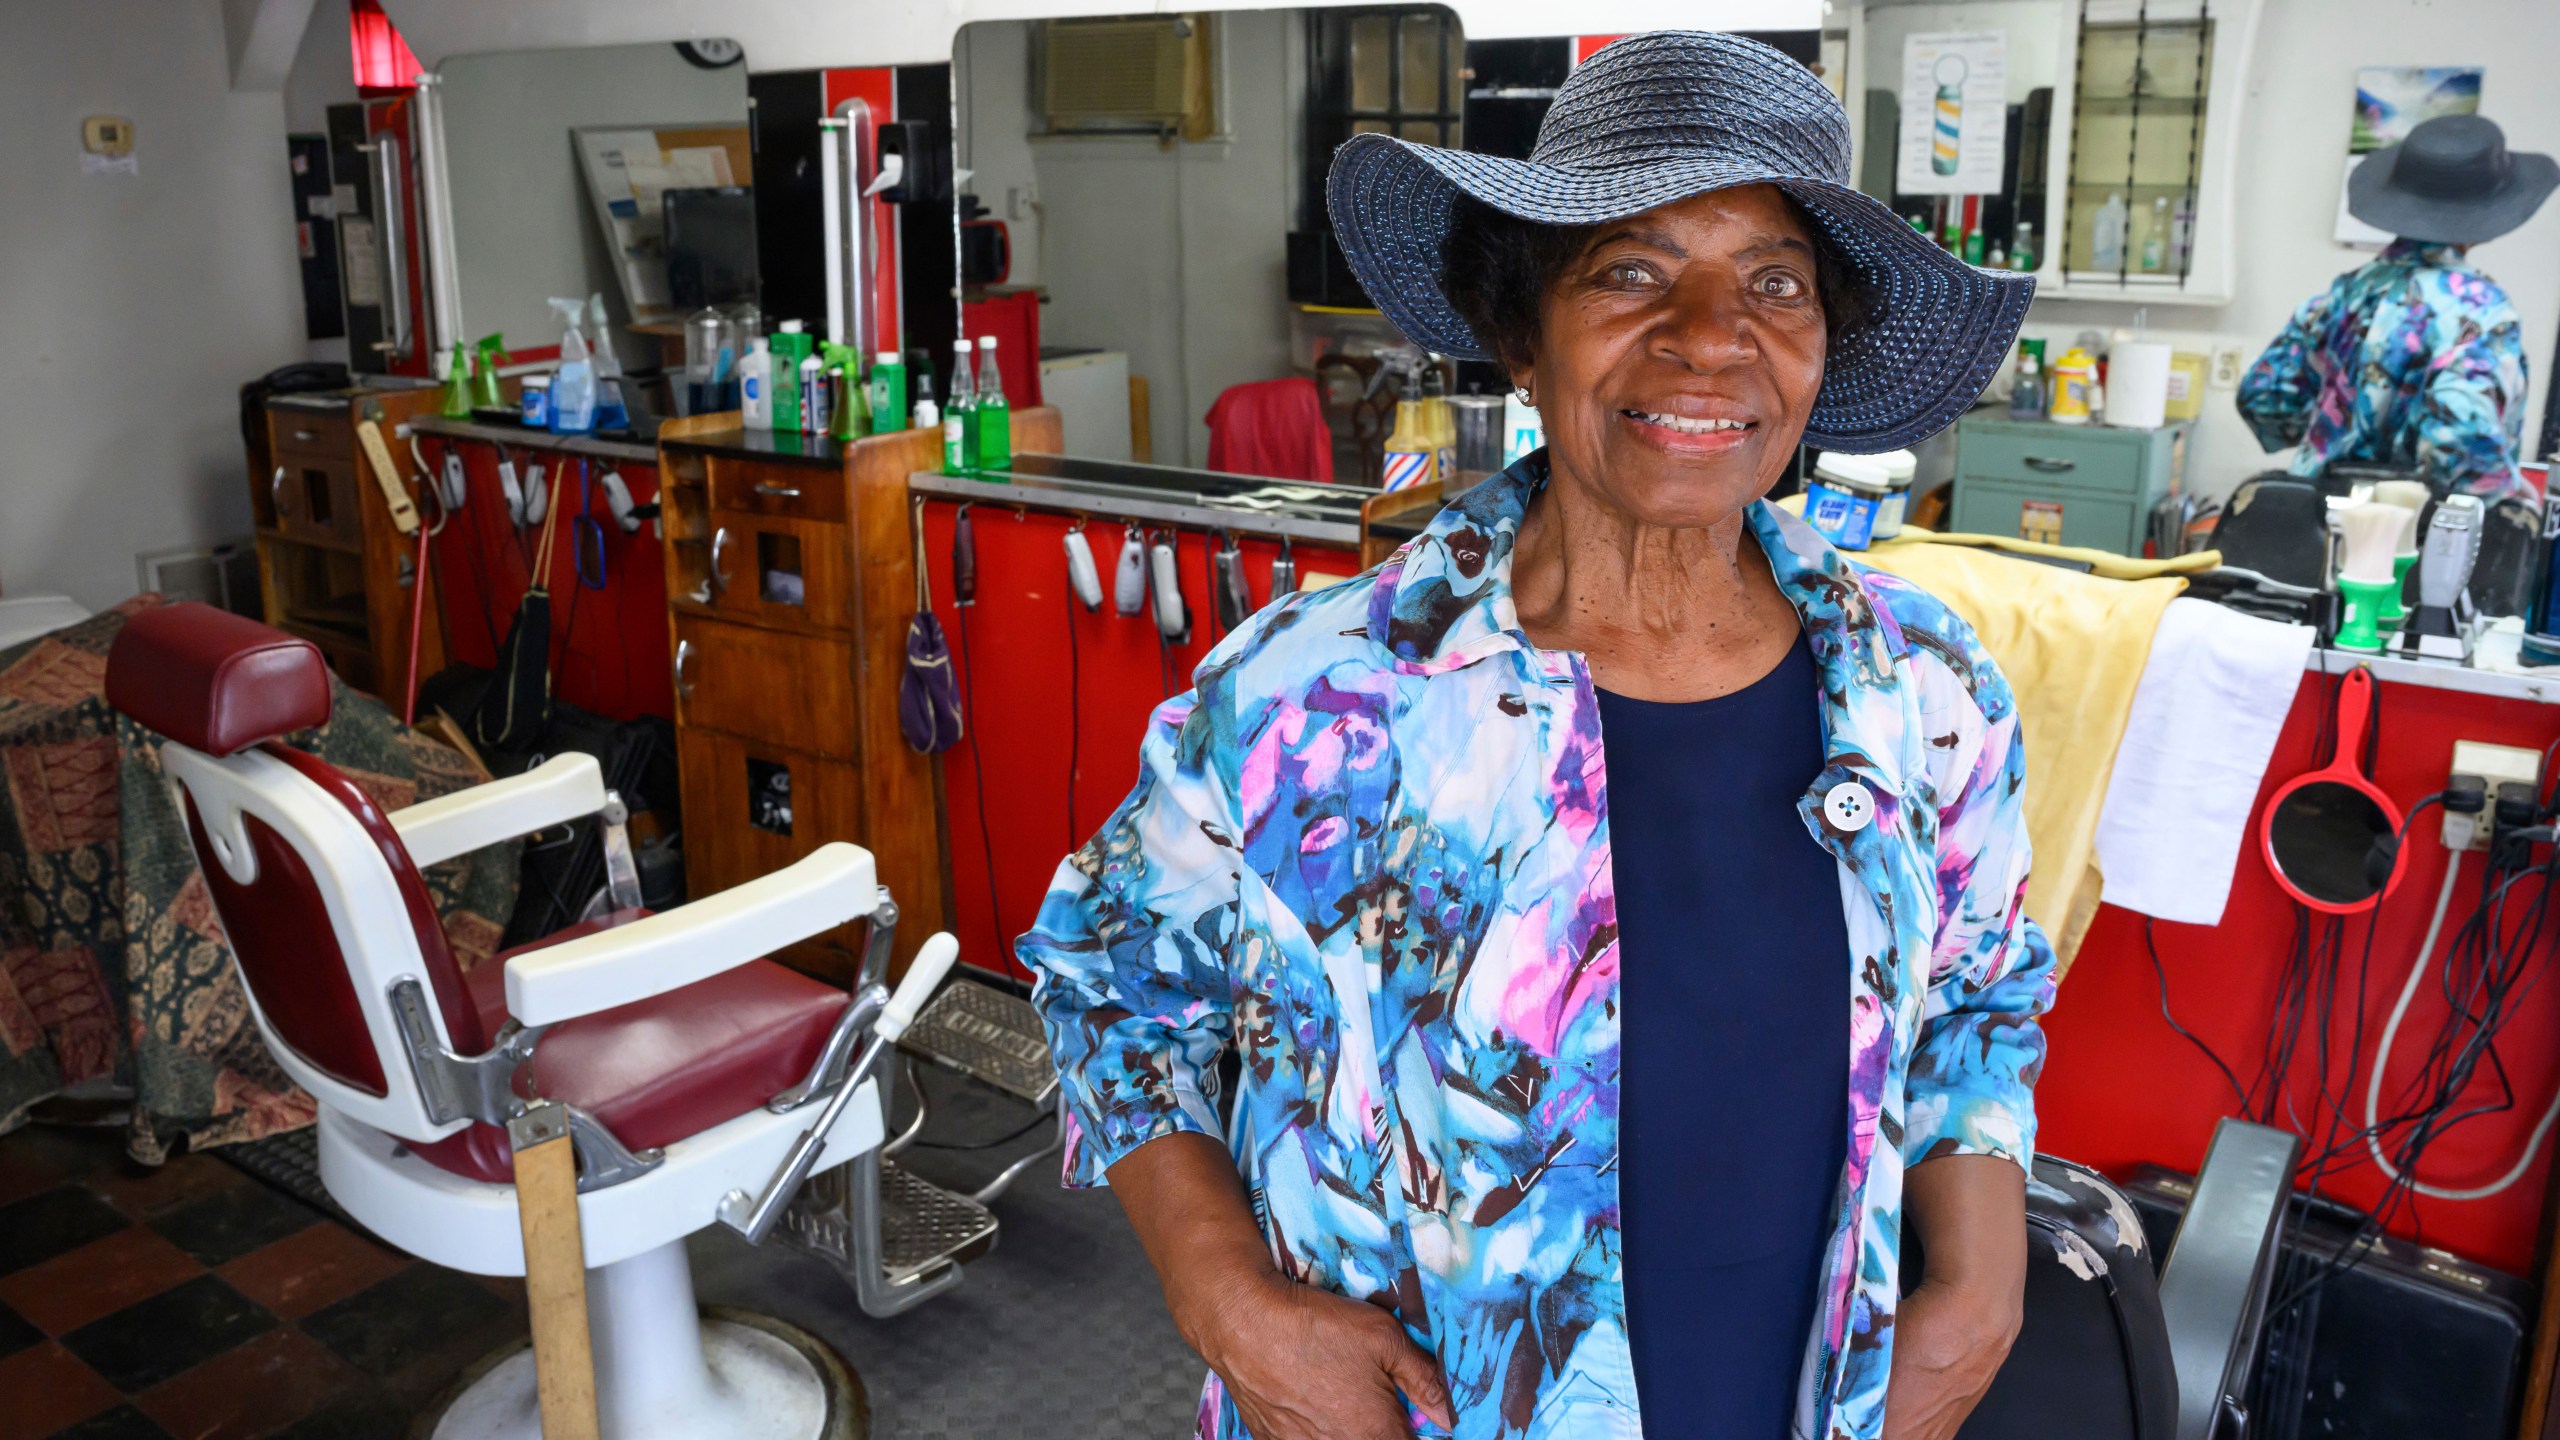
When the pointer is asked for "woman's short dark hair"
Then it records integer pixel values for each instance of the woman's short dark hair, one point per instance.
(1497, 269)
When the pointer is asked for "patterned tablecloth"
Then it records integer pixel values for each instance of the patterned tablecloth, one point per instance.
(112, 963)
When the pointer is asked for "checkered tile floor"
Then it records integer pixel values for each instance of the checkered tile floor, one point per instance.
(196, 1302)
(193, 1301)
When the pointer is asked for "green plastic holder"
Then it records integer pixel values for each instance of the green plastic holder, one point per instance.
(2366, 599)
(2396, 609)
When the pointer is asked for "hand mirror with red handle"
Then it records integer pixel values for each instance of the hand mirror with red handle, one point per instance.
(2331, 835)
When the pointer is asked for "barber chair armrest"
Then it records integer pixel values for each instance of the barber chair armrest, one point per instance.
(667, 951)
(555, 792)
(2214, 1286)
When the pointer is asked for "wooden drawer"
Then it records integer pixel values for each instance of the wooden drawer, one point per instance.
(776, 570)
(314, 498)
(799, 492)
(2054, 457)
(325, 434)
(2035, 510)
(787, 690)
(750, 810)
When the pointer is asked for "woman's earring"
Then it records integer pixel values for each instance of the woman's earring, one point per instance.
(1525, 398)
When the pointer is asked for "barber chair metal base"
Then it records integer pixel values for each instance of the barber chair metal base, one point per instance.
(663, 1369)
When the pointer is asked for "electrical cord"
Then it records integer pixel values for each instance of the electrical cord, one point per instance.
(2150, 948)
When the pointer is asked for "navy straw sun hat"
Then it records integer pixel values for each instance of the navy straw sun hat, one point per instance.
(1660, 117)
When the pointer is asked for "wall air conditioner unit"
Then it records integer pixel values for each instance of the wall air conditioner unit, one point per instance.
(1144, 74)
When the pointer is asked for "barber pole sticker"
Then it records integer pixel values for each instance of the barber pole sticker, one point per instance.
(1407, 468)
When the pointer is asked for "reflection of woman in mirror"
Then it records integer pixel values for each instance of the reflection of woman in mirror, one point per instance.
(1613, 900)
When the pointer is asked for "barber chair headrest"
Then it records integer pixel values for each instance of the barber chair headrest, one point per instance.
(214, 681)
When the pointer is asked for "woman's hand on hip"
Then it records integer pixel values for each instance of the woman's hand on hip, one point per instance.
(1948, 1343)
(1300, 1363)
(1306, 1364)
(1951, 1333)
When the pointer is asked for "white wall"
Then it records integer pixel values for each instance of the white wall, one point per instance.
(2301, 93)
(1177, 256)
(137, 304)
(524, 229)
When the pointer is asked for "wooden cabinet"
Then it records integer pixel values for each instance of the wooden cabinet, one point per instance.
(333, 567)
(790, 581)
(2084, 485)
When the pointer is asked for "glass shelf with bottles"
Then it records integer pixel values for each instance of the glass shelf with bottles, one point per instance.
(2138, 132)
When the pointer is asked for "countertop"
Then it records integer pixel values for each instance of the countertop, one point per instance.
(1199, 499)
(525, 437)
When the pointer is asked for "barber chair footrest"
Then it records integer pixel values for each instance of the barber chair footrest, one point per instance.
(988, 1035)
(923, 1227)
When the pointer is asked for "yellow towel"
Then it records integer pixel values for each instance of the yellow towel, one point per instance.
(2100, 562)
(2073, 647)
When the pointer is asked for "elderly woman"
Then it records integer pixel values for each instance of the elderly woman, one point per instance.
(1613, 900)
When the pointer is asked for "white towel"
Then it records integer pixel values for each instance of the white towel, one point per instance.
(2205, 718)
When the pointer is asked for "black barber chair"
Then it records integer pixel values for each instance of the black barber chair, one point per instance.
(2277, 525)
(2108, 1352)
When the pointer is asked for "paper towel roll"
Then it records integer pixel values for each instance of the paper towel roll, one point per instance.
(2137, 384)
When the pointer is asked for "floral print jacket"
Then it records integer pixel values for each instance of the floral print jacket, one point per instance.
(1370, 852)
(2417, 359)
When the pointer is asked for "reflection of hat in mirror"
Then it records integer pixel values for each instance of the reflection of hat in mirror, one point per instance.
(2453, 182)
(1947, 76)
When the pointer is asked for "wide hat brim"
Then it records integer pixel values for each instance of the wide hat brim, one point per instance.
(2373, 198)
(1938, 330)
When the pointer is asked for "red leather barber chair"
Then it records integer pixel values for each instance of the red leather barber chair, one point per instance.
(702, 1083)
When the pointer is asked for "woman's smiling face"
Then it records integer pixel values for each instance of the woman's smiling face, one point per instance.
(1679, 355)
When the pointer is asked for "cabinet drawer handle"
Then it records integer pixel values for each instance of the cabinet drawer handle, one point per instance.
(684, 652)
(306, 436)
(275, 491)
(719, 575)
(772, 491)
(2051, 466)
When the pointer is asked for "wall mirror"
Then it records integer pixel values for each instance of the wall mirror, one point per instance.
(621, 170)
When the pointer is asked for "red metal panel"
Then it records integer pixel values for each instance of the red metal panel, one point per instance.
(1045, 681)
(609, 646)
(2120, 1088)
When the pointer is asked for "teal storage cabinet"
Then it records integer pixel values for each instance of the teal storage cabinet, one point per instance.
(2083, 485)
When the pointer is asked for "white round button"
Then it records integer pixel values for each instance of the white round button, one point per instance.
(1848, 806)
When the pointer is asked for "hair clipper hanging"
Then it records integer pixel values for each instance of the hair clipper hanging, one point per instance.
(964, 559)
(1080, 572)
(1284, 571)
(1129, 581)
(1173, 620)
(1231, 596)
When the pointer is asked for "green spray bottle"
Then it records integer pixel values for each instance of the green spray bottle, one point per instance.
(484, 378)
(457, 386)
(845, 420)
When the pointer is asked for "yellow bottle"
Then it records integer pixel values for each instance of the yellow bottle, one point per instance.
(1412, 450)
(2073, 376)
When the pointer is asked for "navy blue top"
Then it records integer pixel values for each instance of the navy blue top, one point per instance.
(1734, 1108)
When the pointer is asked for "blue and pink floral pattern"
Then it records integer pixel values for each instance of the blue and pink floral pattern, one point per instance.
(2416, 360)
(1369, 852)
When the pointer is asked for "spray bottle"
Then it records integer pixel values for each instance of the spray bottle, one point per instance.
(611, 412)
(457, 386)
(573, 386)
(484, 376)
(849, 417)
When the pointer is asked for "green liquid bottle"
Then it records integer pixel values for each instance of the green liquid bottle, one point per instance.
(959, 437)
(994, 419)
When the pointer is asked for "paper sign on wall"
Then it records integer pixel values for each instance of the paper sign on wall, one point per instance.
(1955, 114)
(2391, 101)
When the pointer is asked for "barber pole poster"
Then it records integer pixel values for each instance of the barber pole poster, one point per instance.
(1406, 469)
(1955, 114)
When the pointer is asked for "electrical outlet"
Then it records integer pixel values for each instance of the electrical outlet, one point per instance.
(2225, 374)
(2494, 765)
(1020, 201)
